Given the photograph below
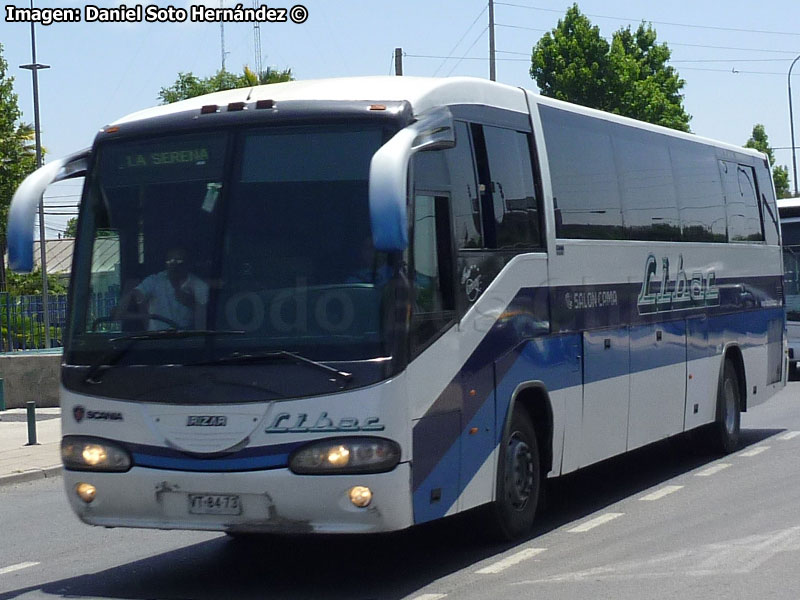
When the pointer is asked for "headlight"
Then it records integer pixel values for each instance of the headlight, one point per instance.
(80, 453)
(346, 455)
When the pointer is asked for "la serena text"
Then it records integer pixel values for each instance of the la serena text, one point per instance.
(197, 156)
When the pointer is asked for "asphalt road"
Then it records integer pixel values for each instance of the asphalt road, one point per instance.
(663, 522)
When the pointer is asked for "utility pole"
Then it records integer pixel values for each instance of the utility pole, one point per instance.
(398, 61)
(492, 67)
(791, 125)
(259, 66)
(34, 68)
(222, 37)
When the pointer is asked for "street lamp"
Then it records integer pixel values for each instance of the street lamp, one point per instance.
(34, 68)
(791, 124)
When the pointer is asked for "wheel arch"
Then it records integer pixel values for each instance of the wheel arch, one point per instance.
(533, 398)
(733, 353)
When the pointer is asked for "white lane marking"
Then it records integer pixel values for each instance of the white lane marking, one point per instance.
(754, 451)
(596, 522)
(430, 597)
(510, 561)
(789, 436)
(17, 567)
(712, 470)
(724, 558)
(658, 494)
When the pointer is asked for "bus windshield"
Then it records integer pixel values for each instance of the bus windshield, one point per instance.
(257, 240)
(791, 268)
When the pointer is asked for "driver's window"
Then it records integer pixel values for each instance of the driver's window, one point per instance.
(432, 269)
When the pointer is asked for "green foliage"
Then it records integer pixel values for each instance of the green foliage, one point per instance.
(17, 154)
(71, 230)
(780, 174)
(27, 332)
(188, 85)
(25, 284)
(628, 77)
(571, 63)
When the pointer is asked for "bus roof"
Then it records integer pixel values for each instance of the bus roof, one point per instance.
(423, 93)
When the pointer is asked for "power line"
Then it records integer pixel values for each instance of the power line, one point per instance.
(477, 39)
(450, 54)
(691, 25)
(460, 58)
(608, 39)
(730, 60)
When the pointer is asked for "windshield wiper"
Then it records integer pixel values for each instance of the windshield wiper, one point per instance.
(111, 358)
(242, 357)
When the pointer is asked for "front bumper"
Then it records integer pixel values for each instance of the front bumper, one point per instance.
(276, 501)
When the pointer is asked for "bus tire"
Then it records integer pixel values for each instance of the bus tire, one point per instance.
(725, 431)
(518, 481)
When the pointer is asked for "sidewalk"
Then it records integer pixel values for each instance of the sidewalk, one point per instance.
(19, 462)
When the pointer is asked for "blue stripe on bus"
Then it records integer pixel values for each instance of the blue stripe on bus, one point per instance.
(555, 361)
(249, 459)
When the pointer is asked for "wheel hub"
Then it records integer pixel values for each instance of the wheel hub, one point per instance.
(519, 472)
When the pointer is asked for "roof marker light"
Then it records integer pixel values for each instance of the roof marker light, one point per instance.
(113, 129)
(208, 109)
(265, 104)
(233, 106)
(377, 107)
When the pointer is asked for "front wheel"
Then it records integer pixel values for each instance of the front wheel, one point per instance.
(518, 481)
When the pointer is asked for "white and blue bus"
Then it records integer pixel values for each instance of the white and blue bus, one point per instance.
(357, 305)
(789, 209)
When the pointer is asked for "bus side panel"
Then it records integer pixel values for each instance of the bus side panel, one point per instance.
(658, 375)
(606, 393)
(437, 493)
(702, 373)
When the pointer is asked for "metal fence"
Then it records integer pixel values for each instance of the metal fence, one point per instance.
(22, 321)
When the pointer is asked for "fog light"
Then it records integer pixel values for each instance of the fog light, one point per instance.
(86, 492)
(360, 496)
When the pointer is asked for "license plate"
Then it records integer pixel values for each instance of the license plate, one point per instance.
(214, 504)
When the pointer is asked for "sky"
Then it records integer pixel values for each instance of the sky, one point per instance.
(734, 56)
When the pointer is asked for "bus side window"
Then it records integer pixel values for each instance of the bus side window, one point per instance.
(741, 203)
(511, 211)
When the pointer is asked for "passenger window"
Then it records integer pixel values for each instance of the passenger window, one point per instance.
(700, 198)
(583, 176)
(649, 203)
(514, 217)
(741, 203)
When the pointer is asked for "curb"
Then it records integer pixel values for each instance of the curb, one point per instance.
(31, 475)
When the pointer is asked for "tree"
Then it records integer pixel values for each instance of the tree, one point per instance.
(571, 63)
(71, 230)
(780, 174)
(17, 155)
(628, 77)
(188, 85)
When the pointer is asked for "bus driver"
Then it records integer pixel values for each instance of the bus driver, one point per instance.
(175, 298)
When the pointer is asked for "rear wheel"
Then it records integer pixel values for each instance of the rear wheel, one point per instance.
(725, 431)
(518, 481)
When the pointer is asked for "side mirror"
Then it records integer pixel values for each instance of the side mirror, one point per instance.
(388, 175)
(26, 200)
